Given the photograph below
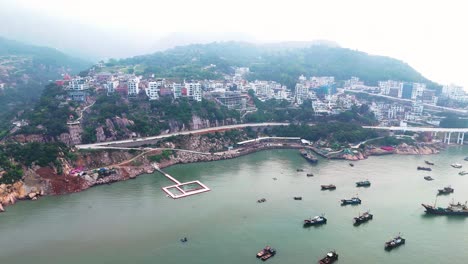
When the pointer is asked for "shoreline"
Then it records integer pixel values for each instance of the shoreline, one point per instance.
(127, 172)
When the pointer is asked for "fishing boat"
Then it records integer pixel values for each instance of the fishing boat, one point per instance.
(456, 165)
(331, 257)
(351, 164)
(428, 162)
(298, 198)
(310, 174)
(266, 253)
(463, 173)
(307, 154)
(353, 200)
(424, 168)
(452, 209)
(365, 183)
(363, 218)
(317, 220)
(395, 242)
(428, 178)
(446, 190)
(328, 187)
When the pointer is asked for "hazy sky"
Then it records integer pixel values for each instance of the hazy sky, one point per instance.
(430, 35)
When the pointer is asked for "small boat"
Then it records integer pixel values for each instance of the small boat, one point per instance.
(266, 253)
(424, 168)
(446, 190)
(299, 170)
(363, 218)
(465, 159)
(365, 183)
(328, 187)
(307, 154)
(354, 200)
(317, 220)
(331, 257)
(351, 164)
(463, 173)
(395, 242)
(263, 251)
(183, 240)
(456, 165)
(310, 174)
(261, 200)
(298, 198)
(428, 162)
(428, 178)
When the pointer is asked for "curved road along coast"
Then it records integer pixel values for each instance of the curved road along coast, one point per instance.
(220, 128)
(198, 131)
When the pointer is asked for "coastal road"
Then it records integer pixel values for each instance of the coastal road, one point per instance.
(198, 131)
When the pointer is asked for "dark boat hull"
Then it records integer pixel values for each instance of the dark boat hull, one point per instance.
(389, 247)
(442, 211)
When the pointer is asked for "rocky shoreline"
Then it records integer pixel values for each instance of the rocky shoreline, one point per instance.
(44, 181)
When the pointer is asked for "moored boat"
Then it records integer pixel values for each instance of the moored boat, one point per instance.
(317, 220)
(463, 173)
(331, 257)
(452, 209)
(266, 253)
(298, 198)
(446, 190)
(365, 183)
(307, 154)
(353, 200)
(424, 168)
(428, 162)
(428, 178)
(328, 187)
(310, 174)
(395, 242)
(456, 165)
(363, 218)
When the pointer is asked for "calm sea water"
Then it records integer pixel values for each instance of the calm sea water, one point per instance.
(134, 221)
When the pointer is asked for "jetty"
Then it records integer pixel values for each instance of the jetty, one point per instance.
(181, 189)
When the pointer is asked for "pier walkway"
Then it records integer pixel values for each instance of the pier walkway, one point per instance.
(181, 189)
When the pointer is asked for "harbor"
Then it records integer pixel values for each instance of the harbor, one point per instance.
(135, 222)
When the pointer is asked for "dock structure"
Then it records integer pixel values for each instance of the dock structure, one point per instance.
(181, 189)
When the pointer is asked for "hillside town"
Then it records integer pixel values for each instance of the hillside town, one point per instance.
(393, 102)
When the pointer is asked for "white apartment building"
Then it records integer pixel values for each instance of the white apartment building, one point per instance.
(301, 93)
(177, 90)
(78, 84)
(133, 86)
(452, 91)
(111, 86)
(153, 90)
(194, 91)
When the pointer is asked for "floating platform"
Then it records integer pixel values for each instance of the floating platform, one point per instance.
(182, 189)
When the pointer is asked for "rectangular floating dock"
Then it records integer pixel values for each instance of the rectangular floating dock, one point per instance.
(182, 189)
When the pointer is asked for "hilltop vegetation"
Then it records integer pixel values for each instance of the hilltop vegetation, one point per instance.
(281, 65)
(24, 71)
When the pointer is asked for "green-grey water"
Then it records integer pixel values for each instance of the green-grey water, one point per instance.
(134, 221)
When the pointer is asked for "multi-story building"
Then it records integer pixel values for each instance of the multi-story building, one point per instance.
(452, 91)
(301, 93)
(153, 90)
(111, 86)
(133, 85)
(177, 90)
(194, 90)
(78, 84)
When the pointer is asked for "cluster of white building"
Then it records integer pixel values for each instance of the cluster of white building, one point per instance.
(305, 87)
(455, 92)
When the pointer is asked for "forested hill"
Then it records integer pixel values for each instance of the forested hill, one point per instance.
(24, 72)
(282, 65)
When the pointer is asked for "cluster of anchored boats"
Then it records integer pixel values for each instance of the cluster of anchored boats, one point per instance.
(452, 209)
